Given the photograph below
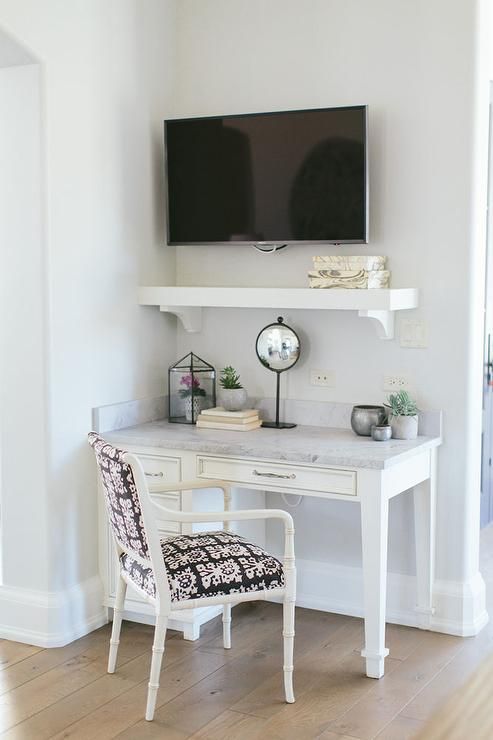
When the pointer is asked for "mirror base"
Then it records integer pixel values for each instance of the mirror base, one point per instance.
(278, 425)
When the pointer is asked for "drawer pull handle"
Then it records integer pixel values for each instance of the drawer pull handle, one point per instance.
(155, 475)
(290, 476)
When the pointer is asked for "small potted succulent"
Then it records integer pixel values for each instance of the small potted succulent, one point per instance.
(232, 395)
(192, 393)
(402, 413)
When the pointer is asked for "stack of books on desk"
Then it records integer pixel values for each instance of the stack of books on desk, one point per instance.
(238, 421)
(339, 271)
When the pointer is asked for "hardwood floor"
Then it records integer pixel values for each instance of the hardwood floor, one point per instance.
(208, 693)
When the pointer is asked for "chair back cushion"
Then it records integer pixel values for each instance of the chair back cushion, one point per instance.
(121, 497)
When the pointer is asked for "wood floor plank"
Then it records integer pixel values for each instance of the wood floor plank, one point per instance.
(13, 652)
(213, 696)
(390, 694)
(230, 725)
(130, 673)
(329, 735)
(42, 661)
(401, 728)
(467, 713)
(325, 649)
(135, 641)
(50, 687)
(128, 708)
(340, 686)
(452, 677)
(53, 685)
(117, 715)
(197, 706)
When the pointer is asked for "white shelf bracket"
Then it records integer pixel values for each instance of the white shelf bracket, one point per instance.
(190, 316)
(384, 321)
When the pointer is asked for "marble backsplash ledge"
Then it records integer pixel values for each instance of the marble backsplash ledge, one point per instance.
(309, 413)
(129, 413)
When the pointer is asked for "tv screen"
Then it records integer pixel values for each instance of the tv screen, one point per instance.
(268, 178)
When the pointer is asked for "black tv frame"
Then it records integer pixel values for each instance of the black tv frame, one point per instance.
(278, 243)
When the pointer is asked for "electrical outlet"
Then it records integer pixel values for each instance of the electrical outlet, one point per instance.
(396, 383)
(323, 378)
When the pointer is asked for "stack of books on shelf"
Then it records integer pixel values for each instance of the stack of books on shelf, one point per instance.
(341, 271)
(238, 421)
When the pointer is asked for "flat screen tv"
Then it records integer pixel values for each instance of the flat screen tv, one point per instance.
(268, 178)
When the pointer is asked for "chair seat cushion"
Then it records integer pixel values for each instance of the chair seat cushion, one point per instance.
(209, 564)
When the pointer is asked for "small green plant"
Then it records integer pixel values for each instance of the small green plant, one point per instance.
(401, 404)
(230, 379)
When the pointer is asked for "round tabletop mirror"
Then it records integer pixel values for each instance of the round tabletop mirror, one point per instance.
(278, 349)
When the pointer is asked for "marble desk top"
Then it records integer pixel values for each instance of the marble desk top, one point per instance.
(303, 444)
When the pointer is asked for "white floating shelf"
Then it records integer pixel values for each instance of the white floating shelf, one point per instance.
(187, 303)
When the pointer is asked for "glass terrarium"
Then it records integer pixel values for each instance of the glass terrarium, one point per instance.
(192, 387)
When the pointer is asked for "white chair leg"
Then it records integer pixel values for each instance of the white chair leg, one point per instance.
(157, 657)
(288, 635)
(121, 590)
(227, 626)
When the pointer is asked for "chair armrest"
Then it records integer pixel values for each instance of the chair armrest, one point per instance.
(196, 485)
(188, 485)
(241, 515)
(197, 517)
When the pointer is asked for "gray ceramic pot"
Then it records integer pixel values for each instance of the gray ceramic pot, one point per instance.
(233, 399)
(381, 433)
(364, 417)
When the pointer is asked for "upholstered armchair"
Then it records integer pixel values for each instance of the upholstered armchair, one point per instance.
(192, 570)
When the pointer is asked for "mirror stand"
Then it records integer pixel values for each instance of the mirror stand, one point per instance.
(278, 424)
(278, 349)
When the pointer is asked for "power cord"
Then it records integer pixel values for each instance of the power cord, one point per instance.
(291, 506)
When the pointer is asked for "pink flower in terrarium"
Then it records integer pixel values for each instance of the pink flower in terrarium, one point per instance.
(190, 381)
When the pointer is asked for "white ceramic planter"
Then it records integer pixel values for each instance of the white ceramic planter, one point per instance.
(194, 403)
(404, 427)
(233, 399)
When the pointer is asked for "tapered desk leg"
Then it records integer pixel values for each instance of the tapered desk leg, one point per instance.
(374, 530)
(424, 527)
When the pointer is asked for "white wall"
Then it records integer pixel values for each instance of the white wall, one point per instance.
(22, 350)
(106, 71)
(414, 64)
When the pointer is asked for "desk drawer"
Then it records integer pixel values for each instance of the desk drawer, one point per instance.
(159, 470)
(278, 475)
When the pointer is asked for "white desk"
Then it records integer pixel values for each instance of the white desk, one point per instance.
(311, 461)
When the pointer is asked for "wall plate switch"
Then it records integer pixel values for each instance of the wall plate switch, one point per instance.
(413, 333)
(395, 383)
(322, 378)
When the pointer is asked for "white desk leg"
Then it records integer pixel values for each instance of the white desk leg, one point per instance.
(374, 530)
(424, 526)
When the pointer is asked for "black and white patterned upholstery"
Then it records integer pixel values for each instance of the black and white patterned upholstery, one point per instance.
(121, 497)
(209, 564)
(197, 565)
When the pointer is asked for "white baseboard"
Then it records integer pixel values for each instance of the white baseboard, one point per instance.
(459, 607)
(51, 619)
